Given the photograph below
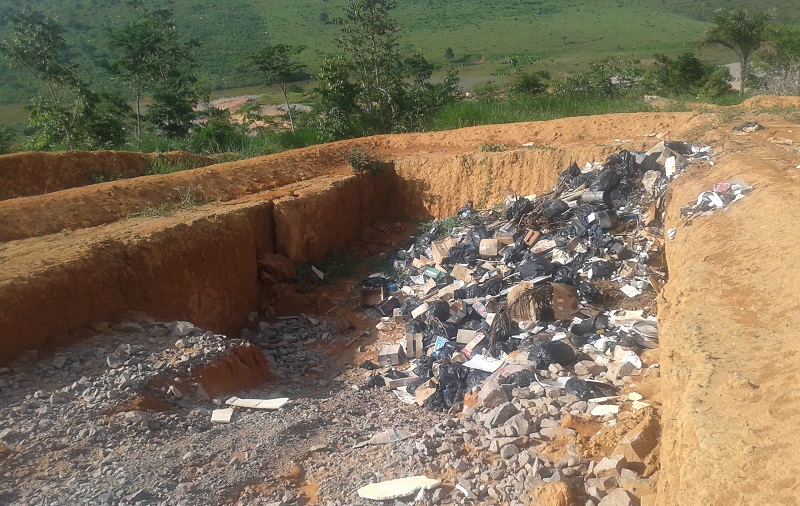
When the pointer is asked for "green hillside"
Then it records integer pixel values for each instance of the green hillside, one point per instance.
(566, 34)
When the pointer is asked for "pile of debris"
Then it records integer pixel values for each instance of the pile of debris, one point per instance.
(536, 311)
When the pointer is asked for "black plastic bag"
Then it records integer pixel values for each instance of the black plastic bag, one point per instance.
(555, 207)
(578, 388)
(563, 274)
(519, 208)
(438, 309)
(521, 379)
(606, 181)
(553, 352)
(475, 378)
(603, 269)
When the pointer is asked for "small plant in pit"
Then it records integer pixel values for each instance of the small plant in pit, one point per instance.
(165, 166)
(492, 147)
(186, 200)
(362, 161)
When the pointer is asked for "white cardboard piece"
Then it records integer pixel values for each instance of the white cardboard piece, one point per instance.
(393, 489)
(257, 403)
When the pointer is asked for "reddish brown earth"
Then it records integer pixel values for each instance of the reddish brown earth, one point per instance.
(727, 315)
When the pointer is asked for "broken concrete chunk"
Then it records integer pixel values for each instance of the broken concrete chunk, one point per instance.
(492, 393)
(610, 466)
(499, 415)
(618, 497)
(222, 415)
(619, 370)
(393, 489)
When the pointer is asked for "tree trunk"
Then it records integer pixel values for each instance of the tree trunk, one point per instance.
(64, 126)
(288, 108)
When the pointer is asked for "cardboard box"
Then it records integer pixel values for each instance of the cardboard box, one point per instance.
(440, 250)
(531, 237)
(414, 348)
(419, 310)
(462, 273)
(391, 354)
(489, 248)
(464, 336)
(565, 300)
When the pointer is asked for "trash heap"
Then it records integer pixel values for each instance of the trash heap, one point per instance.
(554, 289)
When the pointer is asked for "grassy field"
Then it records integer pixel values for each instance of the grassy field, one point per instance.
(566, 35)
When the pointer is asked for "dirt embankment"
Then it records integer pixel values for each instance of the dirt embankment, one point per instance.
(729, 320)
(35, 173)
(727, 315)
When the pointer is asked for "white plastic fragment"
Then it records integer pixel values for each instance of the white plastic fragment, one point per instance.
(394, 489)
(482, 363)
(605, 409)
(257, 403)
(630, 291)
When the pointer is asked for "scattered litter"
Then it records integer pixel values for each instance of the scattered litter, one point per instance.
(748, 127)
(387, 436)
(257, 403)
(394, 489)
(630, 291)
(481, 363)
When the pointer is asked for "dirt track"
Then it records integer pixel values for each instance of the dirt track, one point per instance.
(727, 315)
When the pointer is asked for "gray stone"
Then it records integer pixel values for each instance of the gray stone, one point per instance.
(509, 451)
(588, 368)
(137, 416)
(518, 425)
(127, 328)
(114, 360)
(499, 415)
(492, 393)
(610, 466)
(619, 370)
(617, 497)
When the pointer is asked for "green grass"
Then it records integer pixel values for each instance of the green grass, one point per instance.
(566, 35)
(186, 200)
(547, 107)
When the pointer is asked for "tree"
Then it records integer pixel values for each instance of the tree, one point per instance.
(73, 115)
(780, 61)
(740, 32)
(370, 42)
(449, 55)
(684, 74)
(277, 65)
(151, 58)
(372, 87)
(38, 45)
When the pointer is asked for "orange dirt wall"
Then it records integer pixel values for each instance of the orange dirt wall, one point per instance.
(729, 325)
(36, 173)
(204, 271)
(438, 184)
(313, 222)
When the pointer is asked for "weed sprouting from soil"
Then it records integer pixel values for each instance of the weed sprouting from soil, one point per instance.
(186, 200)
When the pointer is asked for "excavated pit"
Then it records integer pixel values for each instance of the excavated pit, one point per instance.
(76, 256)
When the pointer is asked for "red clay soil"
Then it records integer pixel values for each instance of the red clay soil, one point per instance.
(729, 321)
(35, 173)
(728, 315)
